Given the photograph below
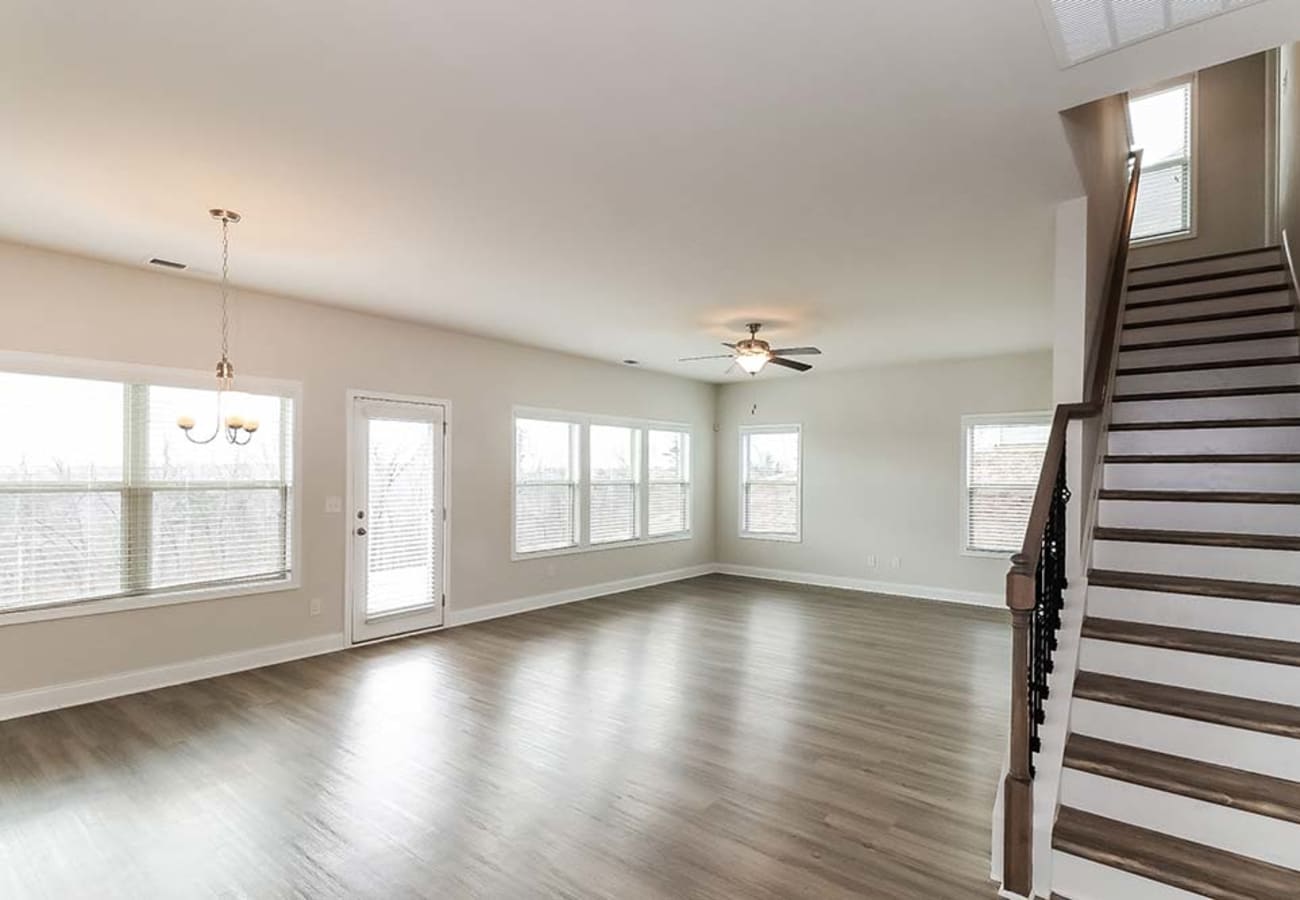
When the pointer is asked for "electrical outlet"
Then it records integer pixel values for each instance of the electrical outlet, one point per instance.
(871, 562)
(895, 562)
(314, 606)
(333, 504)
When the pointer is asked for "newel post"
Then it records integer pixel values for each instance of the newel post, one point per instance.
(1018, 789)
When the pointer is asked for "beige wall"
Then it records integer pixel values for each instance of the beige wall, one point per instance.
(1288, 129)
(1229, 160)
(57, 304)
(881, 466)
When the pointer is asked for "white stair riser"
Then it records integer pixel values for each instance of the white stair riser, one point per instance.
(1247, 834)
(1239, 518)
(1187, 330)
(1206, 440)
(1208, 379)
(1203, 286)
(1270, 682)
(1083, 879)
(1202, 307)
(1203, 476)
(1252, 406)
(1277, 621)
(1232, 563)
(1234, 350)
(1238, 748)
(1206, 267)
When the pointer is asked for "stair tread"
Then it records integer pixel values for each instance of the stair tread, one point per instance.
(1188, 703)
(1210, 257)
(1209, 276)
(1223, 294)
(1209, 365)
(1210, 339)
(1197, 586)
(1199, 538)
(1184, 864)
(1190, 640)
(1200, 496)
(1224, 316)
(1210, 458)
(1262, 390)
(1195, 424)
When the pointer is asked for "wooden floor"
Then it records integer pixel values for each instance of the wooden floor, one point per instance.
(715, 738)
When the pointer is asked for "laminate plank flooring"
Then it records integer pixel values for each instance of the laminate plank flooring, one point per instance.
(714, 738)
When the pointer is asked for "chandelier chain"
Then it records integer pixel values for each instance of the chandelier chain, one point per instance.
(225, 274)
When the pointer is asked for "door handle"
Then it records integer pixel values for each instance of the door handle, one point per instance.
(361, 532)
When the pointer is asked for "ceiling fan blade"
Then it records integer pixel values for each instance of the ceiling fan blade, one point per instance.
(732, 346)
(714, 356)
(790, 364)
(797, 351)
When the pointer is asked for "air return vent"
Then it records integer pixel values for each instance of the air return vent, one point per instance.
(166, 263)
(1083, 29)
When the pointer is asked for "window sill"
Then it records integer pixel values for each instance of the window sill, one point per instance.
(593, 548)
(125, 604)
(990, 554)
(782, 538)
(1157, 240)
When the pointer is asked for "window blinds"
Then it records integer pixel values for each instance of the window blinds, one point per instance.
(1162, 126)
(108, 499)
(770, 491)
(669, 482)
(403, 508)
(615, 476)
(546, 485)
(1003, 460)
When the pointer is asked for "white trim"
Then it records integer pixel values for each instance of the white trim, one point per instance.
(572, 595)
(890, 588)
(162, 376)
(963, 524)
(742, 433)
(75, 693)
(351, 398)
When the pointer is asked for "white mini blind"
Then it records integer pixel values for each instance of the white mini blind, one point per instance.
(669, 472)
(1161, 122)
(402, 511)
(615, 476)
(546, 485)
(770, 482)
(101, 495)
(1002, 463)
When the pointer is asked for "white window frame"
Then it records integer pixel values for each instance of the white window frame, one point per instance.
(1026, 418)
(1193, 154)
(73, 367)
(745, 431)
(584, 421)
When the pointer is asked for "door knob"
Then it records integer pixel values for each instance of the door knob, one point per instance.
(361, 531)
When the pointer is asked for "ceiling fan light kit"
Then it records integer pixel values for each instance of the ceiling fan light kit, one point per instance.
(753, 353)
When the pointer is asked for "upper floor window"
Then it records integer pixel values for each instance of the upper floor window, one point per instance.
(1002, 457)
(770, 482)
(102, 498)
(1161, 123)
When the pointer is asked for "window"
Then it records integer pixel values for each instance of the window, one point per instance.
(1002, 456)
(770, 482)
(1161, 124)
(583, 482)
(103, 498)
(546, 485)
(670, 482)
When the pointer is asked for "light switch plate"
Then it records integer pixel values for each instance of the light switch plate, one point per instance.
(333, 504)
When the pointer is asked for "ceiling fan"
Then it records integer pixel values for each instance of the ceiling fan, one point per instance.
(753, 353)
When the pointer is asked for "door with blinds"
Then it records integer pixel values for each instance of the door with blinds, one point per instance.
(398, 516)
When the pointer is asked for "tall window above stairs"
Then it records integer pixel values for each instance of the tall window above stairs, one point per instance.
(1160, 121)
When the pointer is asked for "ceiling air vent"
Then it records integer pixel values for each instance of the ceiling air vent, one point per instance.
(166, 263)
(1083, 29)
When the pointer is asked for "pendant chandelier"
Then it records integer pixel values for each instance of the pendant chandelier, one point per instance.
(238, 430)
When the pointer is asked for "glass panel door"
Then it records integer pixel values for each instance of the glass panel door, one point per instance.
(398, 517)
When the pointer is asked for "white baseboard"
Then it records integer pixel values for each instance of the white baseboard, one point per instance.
(75, 693)
(892, 588)
(572, 595)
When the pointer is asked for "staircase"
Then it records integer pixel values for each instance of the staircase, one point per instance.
(1182, 768)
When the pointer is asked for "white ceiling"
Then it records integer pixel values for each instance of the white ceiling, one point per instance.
(605, 177)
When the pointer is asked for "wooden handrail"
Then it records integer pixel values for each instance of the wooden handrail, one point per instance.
(1032, 577)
